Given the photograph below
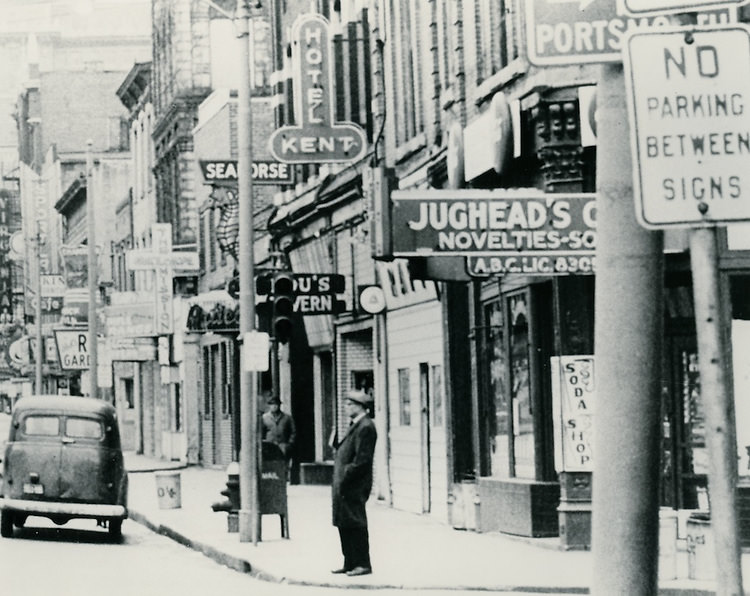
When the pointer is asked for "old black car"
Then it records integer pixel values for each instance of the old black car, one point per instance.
(63, 460)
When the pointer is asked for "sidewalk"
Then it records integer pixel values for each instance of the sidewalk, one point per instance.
(408, 550)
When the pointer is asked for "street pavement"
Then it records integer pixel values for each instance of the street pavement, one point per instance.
(408, 551)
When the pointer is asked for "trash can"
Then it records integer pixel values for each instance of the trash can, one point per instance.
(168, 490)
(700, 547)
(272, 489)
(667, 543)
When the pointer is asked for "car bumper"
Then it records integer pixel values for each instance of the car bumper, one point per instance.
(80, 510)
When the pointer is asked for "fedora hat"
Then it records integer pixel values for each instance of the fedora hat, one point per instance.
(361, 397)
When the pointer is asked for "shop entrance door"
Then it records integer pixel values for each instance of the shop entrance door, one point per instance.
(684, 458)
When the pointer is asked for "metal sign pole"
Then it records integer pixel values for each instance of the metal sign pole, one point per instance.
(718, 408)
(249, 515)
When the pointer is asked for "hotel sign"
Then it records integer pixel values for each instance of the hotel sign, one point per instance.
(514, 223)
(316, 138)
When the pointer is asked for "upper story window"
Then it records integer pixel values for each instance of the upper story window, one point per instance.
(497, 36)
(405, 58)
(446, 17)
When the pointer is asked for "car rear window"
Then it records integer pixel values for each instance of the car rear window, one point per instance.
(83, 428)
(44, 426)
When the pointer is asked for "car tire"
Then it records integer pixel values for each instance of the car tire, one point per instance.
(114, 527)
(6, 524)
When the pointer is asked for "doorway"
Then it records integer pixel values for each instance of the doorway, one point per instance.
(424, 425)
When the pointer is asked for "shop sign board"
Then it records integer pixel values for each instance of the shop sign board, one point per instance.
(52, 285)
(131, 319)
(73, 348)
(316, 137)
(164, 263)
(573, 397)
(688, 94)
(318, 283)
(318, 304)
(641, 7)
(131, 348)
(587, 31)
(218, 171)
(570, 264)
(501, 222)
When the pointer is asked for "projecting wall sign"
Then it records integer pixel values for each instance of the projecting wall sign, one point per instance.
(317, 138)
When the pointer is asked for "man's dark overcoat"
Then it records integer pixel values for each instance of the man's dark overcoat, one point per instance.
(352, 474)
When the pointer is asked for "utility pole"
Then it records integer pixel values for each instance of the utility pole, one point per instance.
(38, 310)
(249, 515)
(629, 314)
(92, 273)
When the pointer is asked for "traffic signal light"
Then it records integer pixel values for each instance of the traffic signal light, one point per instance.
(283, 306)
(233, 286)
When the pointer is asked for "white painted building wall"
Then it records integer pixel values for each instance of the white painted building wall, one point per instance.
(414, 335)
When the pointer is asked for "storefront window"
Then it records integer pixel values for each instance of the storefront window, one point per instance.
(694, 419)
(523, 421)
(740, 297)
(437, 395)
(404, 397)
(499, 424)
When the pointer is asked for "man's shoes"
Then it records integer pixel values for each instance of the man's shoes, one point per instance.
(359, 571)
(342, 570)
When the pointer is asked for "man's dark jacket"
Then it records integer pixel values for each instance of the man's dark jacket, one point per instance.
(352, 474)
(280, 429)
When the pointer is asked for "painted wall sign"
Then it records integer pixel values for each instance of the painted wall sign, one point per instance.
(688, 95)
(573, 397)
(501, 222)
(316, 138)
(263, 172)
(585, 31)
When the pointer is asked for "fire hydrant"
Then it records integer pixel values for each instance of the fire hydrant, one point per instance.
(232, 493)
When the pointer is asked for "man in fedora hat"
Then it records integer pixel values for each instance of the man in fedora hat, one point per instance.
(278, 426)
(352, 482)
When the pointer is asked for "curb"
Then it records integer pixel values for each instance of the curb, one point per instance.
(243, 565)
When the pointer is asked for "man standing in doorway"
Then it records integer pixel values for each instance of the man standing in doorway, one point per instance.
(352, 483)
(278, 427)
